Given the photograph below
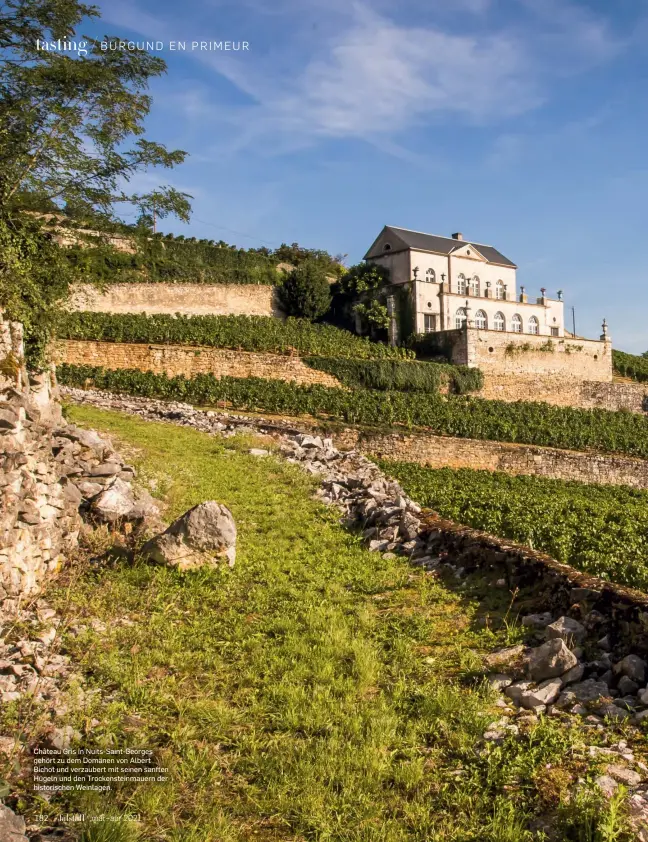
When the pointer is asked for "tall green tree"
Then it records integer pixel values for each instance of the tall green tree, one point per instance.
(71, 131)
(361, 291)
(305, 292)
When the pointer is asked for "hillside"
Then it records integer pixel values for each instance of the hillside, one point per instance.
(120, 253)
(316, 690)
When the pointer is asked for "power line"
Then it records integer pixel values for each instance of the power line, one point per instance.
(239, 233)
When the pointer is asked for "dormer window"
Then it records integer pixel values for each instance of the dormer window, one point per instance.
(387, 247)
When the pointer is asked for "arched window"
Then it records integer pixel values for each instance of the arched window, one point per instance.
(474, 285)
(481, 320)
(460, 318)
(430, 276)
(499, 290)
(534, 325)
(499, 322)
(461, 284)
(516, 323)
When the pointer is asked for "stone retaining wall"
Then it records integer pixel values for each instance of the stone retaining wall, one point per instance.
(188, 299)
(561, 391)
(190, 360)
(445, 452)
(524, 354)
(559, 588)
(423, 448)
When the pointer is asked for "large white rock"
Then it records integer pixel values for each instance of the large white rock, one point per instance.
(544, 694)
(567, 629)
(203, 536)
(115, 502)
(551, 659)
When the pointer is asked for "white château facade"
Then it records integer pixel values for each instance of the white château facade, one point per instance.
(456, 283)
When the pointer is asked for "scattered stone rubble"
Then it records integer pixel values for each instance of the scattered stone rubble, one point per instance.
(53, 476)
(12, 827)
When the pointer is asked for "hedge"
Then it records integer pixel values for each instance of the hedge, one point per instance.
(386, 375)
(630, 365)
(463, 417)
(247, 333)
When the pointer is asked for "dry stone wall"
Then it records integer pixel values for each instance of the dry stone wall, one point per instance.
(562, 391)
(190, 360)
(445, 452)
(595, 634)
(49, 472)
(392, 522)
(188, 299)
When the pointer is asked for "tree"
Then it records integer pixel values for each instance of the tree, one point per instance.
(361, 291)
(65, 119)
(34, 278)
(305, 292)
(363, 278)
(66, 122)
(161, 203)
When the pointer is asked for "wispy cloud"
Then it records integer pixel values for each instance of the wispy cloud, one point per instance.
(368, 75)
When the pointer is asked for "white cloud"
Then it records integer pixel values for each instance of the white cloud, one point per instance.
(364, 75)
(381, 78)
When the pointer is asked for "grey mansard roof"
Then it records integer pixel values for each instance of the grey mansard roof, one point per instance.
(402, 239)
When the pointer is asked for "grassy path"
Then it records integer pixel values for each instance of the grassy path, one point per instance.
(314, 692)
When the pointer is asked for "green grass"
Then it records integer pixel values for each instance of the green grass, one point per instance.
(601, 529)
(315, 691)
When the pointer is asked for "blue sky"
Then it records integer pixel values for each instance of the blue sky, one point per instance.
(521, 123)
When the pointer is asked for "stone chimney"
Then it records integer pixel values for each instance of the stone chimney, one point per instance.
(457, 236)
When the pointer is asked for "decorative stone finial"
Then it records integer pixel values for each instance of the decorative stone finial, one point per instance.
(543, 291)
(560, 295)
(605, 336)
(415, 272)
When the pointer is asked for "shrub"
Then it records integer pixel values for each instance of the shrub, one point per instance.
(386, 375)
(463, 417)
(249, 333)
(305, 292)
